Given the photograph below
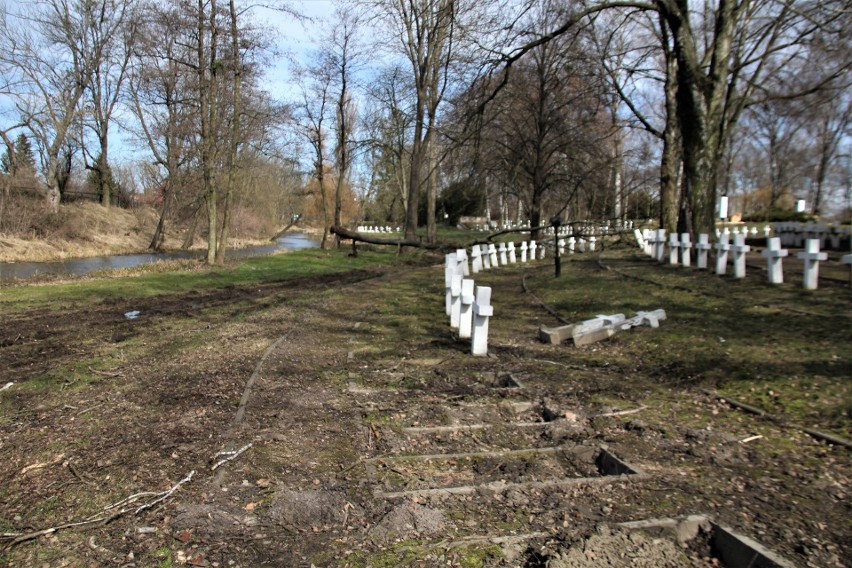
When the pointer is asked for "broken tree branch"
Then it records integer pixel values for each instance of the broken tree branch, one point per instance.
(101, 518)
(231, 455)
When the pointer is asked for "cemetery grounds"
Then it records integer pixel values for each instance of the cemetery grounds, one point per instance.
(315, 409)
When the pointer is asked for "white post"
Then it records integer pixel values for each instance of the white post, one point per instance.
(504, 259)
(773, 254)
(486, 258)
(492, 252)
(572, 243)
(722, 248)
(461, 257)
(740, 249)
(466, 310)
(523, 251)
(592, 242)
(685, 250)
(476, 257)
(674, 245)
(703, 248)
(512, 258)
(660, 245)
(455, 300)
(450, 267)
(532, 250)
(482, 310)
(542, 248)
(811, 257)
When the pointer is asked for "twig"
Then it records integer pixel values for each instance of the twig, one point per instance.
(106, 373)
(7, 386)
(750, 439)
(102, 517)
(622, 412)
(231, 455)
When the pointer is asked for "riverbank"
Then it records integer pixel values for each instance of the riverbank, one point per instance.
(86, 230)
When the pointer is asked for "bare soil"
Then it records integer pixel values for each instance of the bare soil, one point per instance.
(357, 402)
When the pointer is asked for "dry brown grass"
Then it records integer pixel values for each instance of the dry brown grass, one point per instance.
(83, 230)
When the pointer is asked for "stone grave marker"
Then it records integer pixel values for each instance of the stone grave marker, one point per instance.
(466, 308)
(486, 258)
(674, 246)
(532, 248)
(482, 310)
(572, 243)
(685, 250)
(660, 245)
(464, 266)
(512, 258)
(703, 248)
(492, 253)
(455, 300)
(504, 258)
(450, 267)
(523, 251)
(739, 248)
(811, 258)
(476, 259)
(847, 259)
(592, 242)
(773, 254)
(722, 247)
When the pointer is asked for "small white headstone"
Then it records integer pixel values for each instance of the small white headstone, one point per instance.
(466, 311)
(512, 258)
(640, 240)
(504, 257)
(811, 258)
(523, 251)
(685, 250)
(486, 258)
(773, 254)
(450, 268)
(572, 243)
(482, 310)
(703, 247)
(561, 245)
(592, 242)
(847, 259)
(674, 246)
(532, 248)
(476, 259)
(492, 253)
(660, 245)
(461, 257)
(541, 250)
(455, 300)
(722, 246)
(739, 248)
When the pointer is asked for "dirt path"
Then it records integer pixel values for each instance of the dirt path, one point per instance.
(376, 440)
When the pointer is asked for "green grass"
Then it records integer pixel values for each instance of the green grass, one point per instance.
(251, 272)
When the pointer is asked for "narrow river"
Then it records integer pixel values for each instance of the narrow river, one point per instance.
(79, 266)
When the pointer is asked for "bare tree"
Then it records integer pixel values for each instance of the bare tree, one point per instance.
(51, 51)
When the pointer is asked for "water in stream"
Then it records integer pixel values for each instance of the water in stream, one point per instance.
(79, 266)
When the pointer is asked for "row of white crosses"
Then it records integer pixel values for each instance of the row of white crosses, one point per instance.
(469, 306)
(654, 244)
(795, 234)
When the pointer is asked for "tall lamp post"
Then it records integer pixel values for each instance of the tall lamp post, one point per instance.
(555, 222)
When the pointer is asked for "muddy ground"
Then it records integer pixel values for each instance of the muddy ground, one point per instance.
(368, 436)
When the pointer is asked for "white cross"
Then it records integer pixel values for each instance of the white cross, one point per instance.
(486, 259)
(773, 254)
(476, 256)
(811, 257)
(512, 258)
(523, 251)
(482, 310)
(674, 245)
(685, 250)
(466, 309)
(739, 248)
(504, 259)
(722, 248)
(660, 245)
